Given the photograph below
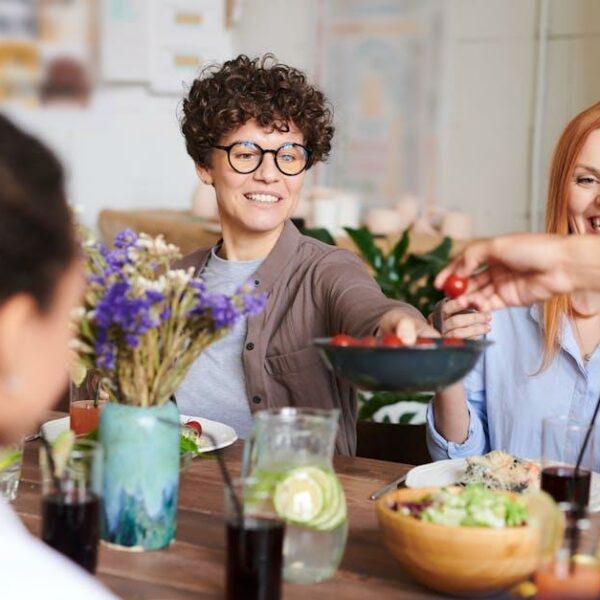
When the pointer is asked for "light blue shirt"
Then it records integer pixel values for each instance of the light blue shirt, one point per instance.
(506, 397)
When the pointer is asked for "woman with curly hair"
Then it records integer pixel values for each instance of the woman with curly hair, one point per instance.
(253, 129)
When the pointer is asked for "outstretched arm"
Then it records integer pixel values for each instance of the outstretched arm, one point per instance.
(522, 269)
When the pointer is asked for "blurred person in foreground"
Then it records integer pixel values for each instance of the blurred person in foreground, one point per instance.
(545, 359)
(40, 283)
(253, 129)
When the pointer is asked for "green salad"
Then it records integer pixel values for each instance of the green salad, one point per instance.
(472, 506)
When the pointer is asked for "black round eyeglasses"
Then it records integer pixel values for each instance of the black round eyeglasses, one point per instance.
(245, 157)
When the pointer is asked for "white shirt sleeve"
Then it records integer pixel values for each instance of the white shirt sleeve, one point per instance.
(31, 569)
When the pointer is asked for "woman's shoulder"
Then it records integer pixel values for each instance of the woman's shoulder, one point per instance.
(325, 254)
(515, 324)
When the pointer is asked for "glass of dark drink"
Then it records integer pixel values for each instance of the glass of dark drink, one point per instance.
(562, 441)
(71, 502)
(254, 538)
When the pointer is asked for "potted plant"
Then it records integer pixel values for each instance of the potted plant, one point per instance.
(142, 324)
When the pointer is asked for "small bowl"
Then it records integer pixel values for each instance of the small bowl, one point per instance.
(424, 368)
(464, 561)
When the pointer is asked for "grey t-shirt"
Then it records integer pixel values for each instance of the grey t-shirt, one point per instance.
(215, 386)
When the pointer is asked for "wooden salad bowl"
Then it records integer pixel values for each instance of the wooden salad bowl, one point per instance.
(464, 561)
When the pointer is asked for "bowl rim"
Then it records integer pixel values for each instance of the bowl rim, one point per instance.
(383, 508)
(325, 342)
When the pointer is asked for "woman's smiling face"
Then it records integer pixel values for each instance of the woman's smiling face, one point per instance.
(584, 190)
(259, 202)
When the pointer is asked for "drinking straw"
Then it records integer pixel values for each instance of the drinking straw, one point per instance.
(579, 508)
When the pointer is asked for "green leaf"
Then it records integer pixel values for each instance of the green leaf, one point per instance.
(365, 242)
(442, 250)
(321, 234)
(395, 257)
(187, 445)
(406, 418)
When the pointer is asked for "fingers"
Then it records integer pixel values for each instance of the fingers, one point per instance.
(467, 326)
(468, 332)
(486, 299)
(406, 330)
(426, 330)
(464, 265)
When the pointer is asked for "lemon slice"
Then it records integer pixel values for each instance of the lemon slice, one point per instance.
(299, 497)
(544, 514)
(77, 371)
(61, 451)
(9, 458)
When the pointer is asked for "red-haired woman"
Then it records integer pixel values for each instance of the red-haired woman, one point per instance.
(545, 360)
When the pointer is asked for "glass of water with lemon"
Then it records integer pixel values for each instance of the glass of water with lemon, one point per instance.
(11, 458)
(289, 456)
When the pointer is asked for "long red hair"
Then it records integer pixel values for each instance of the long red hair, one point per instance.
(562, 168)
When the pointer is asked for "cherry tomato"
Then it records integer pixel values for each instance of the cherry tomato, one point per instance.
(391, 340)
(369, 341)
(450, 341)
(455, 286)
(425, 342)
(195, 425)
(343, 340)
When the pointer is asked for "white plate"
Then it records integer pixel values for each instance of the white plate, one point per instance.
(224, 434)
(449, 472)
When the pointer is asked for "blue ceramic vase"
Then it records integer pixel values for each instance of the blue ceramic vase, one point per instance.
(141, 475)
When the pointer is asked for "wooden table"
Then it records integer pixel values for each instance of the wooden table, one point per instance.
(193, 566)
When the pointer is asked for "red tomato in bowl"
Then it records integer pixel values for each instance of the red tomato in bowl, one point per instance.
(425, 342)
(391, 340)
(195, 425)
(455, 286)
(451, 341)
(369, 341)
(343, 340)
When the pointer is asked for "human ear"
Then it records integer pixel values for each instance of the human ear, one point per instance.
(205, 174)
(17, 316)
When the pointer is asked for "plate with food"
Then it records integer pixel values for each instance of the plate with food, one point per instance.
(497, 470)
(385, 363)
(194, 435)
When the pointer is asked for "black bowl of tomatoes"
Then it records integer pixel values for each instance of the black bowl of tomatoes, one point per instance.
(386, 364)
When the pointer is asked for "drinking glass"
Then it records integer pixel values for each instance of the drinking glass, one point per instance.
(573, 571)
(562, 441)
(11, 458)
(254, 543)
(85, 404)
(71, 502)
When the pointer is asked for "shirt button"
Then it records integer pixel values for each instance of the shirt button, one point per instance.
(256, 399)
(257, 282)
(249, 346)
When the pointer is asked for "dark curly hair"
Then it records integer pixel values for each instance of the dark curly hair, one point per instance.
(225, 97)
